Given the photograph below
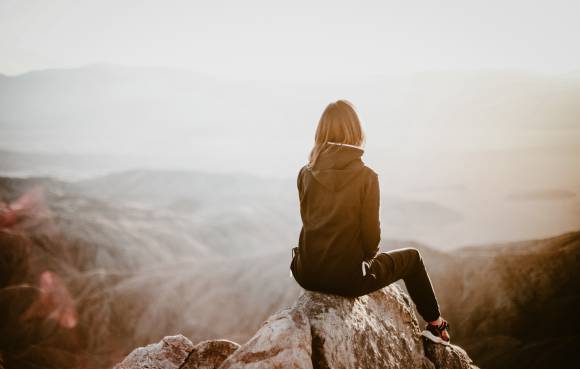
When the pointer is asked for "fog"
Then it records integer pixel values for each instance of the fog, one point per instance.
(305, 40)
(149, 152)
(455, 147)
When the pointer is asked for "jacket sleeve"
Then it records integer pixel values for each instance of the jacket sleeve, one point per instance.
(370, 222)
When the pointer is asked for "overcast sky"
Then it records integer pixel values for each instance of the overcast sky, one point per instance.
(292, 39)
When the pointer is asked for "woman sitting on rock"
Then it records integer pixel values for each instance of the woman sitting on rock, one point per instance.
(338, 249)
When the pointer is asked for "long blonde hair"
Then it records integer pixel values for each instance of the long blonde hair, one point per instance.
(339, 123)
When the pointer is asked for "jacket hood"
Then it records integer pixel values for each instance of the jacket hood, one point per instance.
(336, 168)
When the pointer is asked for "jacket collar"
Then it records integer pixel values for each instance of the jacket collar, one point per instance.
(337, 167)
(339, 156)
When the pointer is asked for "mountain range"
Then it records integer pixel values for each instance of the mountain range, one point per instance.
(139, 271)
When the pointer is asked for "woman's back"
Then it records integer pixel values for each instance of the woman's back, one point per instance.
(339, 208)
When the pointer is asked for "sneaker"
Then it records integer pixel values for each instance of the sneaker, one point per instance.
(433, 332)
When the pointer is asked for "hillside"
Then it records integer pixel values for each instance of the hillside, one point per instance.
(114, 265)
(513, 304)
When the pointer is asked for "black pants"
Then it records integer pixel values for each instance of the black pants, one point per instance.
(406, 264)
(386, 268)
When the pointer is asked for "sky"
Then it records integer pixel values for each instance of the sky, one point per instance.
(464, 103)
(297, 40)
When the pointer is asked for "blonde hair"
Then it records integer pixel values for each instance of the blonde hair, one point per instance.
(339, 123)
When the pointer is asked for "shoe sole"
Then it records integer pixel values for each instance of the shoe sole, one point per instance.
(431, 337)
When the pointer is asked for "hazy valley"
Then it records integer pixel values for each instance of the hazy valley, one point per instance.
(137, 268)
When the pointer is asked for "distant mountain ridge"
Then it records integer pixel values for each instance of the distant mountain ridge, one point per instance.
(98, 103)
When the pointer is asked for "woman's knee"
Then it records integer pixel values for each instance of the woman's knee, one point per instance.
(415, 255)
(405, 260)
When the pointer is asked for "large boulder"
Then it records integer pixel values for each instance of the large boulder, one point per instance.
(284, 341)
(379, 330)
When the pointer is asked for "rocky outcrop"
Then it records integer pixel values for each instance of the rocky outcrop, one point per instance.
(170, 353)
(177, 352)
(284, 341)
(379, 330)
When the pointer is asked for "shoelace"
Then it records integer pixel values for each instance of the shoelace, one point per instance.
(441, 327)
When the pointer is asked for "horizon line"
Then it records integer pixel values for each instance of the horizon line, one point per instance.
(468, 70)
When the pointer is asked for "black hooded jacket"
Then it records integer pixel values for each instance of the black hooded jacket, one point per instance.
(339, 206)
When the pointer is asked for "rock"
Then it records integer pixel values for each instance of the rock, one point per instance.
(320, 331)
(284, 341)
(447, 357)
(209, 354)
(177, 352)
(169, 353)
(379, 330)
(373, 331)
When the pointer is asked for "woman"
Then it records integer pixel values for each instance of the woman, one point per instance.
(338, 249)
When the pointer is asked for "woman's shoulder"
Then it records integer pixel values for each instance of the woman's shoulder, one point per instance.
(300, 176)
(366, 171)
(370, 172)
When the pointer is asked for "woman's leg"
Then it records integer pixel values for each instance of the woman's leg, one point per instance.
(406, 264)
